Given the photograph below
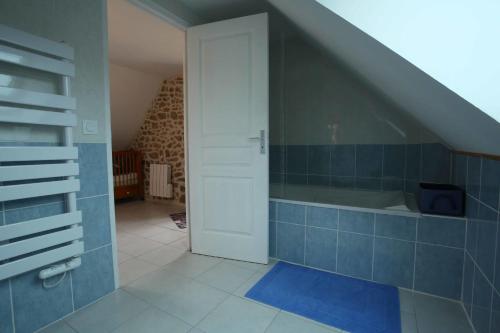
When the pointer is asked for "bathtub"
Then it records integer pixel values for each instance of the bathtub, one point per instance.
(396, 201)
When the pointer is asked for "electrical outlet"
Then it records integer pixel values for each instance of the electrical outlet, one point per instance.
(90, 127)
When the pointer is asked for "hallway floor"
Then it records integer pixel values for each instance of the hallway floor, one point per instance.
(164, 288)
(147, 238)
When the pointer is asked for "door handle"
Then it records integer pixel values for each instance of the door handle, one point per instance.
(262, 141)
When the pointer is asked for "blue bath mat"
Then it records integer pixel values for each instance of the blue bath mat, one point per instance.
(347, 303)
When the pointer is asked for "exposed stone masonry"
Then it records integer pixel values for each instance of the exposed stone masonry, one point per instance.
(161, 137)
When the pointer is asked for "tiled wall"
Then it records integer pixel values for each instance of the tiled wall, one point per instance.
(24, 304)
(370, 167)
(481, 287)
(423, 253)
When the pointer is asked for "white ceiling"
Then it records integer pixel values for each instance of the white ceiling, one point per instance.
(142, 41)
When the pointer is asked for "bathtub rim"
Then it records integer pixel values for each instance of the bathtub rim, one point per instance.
(364, 209)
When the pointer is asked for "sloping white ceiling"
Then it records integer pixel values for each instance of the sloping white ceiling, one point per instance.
(455, 120)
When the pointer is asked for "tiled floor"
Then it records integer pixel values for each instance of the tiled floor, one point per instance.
(147, 238)
(166, 289)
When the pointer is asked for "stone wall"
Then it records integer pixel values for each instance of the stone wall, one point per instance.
(161, 137)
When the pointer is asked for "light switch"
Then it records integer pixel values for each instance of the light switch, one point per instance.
(90, 127)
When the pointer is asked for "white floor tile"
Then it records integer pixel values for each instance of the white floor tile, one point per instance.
(138, 246)
(248, 284)
(225, 276)
(153, 321)
(406, 301)
(191, 301)
(408, 322)
(167, 236)
(155, 285)
(122, 256)
(59, 327)
(162, 255)
(247, 265)
(192, 265)
(435, 315)
(182, 243)
(107, 314)
(238, 315)
(143, 229)
(289, 323)
(133, 269)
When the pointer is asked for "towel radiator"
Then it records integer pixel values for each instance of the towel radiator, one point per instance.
(34, 171)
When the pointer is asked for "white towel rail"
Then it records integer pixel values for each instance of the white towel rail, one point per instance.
(21, 96)
(35, 117)
(33, 170)
(35, 61)
(26, 154)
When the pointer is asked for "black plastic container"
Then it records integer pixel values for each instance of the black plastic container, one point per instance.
(441, 199)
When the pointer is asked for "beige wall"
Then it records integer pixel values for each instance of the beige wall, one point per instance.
(132, 93)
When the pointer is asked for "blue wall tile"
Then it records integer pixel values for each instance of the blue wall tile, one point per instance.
(296, 159)
(393, 184)
(435, 163)
(321, 248)
(291, 242)
(496, 280)
(35, 306)
(94, 278)
(394, 161)
(296, 179)
(411, 186)
(93, 169)
(343, 160)
(372, 184)
(29, 213)
(396, 226)
(277, 178)
(490, 182)
(272, 239)
(5, 308)
(355, 221)
(322, 217)
(442, 231)
(272, 210)
(96, 225)
(276, 157)
(438, 270)
(495, 314)
(460, 170)
(413, 161)
(369, 160)
(342, 182)
(468, 282)
(291, 213)
(481, 303)
(394, 262)
(23, 203)
(355, 255)
(318, 160)
(485, 242)
(473, 175)
(318, 180)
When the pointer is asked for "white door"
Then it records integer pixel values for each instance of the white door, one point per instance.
(227, 125)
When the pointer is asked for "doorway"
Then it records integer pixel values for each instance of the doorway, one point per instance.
(146, 57)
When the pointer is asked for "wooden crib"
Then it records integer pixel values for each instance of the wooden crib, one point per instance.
(128, 177)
